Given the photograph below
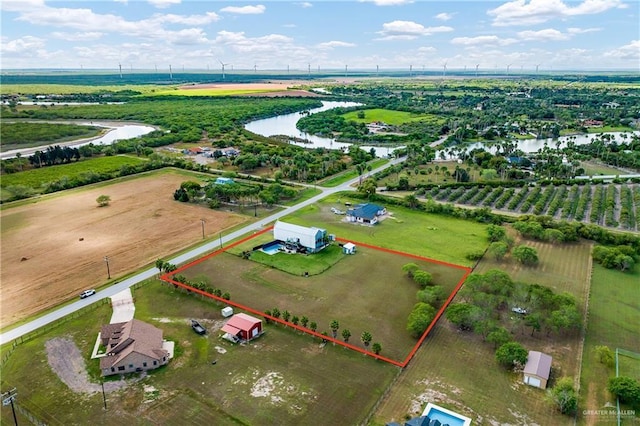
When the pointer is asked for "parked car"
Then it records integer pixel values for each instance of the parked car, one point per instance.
(87, 293)
(197, 327)
(519, 310)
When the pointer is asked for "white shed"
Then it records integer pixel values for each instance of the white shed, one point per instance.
(349, 248)
(227, 312)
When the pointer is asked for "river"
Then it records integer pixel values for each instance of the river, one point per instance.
(286, 125)
(116, 132)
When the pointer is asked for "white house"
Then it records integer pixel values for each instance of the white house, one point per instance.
(536, 372)
(349, 248)
(311, 238)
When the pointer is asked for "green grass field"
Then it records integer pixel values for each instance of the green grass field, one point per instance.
(593, 169)
(350, 291)
(614, 318)
(349, 174)
(38, 178)
(25, 135)
(433, 236)
(457, 370)
(390, 117)
(68, 89)
(284, 377)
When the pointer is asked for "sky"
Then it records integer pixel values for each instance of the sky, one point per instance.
(517, 35)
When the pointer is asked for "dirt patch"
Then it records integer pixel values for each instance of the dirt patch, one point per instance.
(65, 238)
(66, 361)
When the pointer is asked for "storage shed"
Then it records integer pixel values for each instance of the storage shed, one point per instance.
(227, 312)
(242, 328)
(349, 248)
(536, 371)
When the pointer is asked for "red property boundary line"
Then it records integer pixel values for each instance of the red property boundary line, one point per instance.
(167, 278)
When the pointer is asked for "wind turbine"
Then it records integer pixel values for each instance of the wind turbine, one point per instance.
(255, 68)
(508, 66)
(410, 70)
(287, 68)
(465, 69)
(120, 67)
(309, 70)
(156, 65)
(345, 70)
(170, 72)
(377, 70)
(223, 65)
(444, 70)
(537, 66)
(477, 65)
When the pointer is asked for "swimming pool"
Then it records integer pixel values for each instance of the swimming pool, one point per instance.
(271, 248)
(444, 416)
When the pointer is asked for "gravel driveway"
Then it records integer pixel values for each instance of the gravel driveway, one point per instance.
(66, 361)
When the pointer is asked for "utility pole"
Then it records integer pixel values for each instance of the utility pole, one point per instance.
(106, 259)
(221, 239)
(104, 397)
(202, 221)
(7, 399)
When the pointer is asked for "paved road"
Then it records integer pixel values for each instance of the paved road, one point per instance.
(178, 260)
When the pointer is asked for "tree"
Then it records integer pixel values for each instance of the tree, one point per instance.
(368, 187)
(366, 338)
(295, 320)
(286, 315)
(564, 395)
(433, 295)
(496, 233)
(422, 278)
(534, 321)
(461, 314)
(376, 348)
(420, 318)
(605, 355)
(411, 201)
(103, 200)
(499, 337)
(625, 388)
(409, 269)
(335, 325)
(512, 354)
(304, 321)
(346, 334)
(498, 249)
(160, 264)
(275, 312)
(313, 326)
(525, 255)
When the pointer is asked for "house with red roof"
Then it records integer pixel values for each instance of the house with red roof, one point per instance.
(242, 328)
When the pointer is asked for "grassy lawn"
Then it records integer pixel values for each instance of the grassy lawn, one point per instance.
(349, 174)
(302, 195)
(424, 176)
(282, 378)
(38, 178)
(68, 89)
(594, 169)
(457, 370)
(433, 236)
(614, 318)
(351, 291)
(390, 116)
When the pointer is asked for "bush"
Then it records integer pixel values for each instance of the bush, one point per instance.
(420, 318)
(512, 354)
(564, 395)
(625, 388)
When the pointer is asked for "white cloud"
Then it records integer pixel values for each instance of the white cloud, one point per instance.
(333, 44)
(444, 16)
(20, 5)
(427, 49)
(388, 2)
(23, 45)
(582, 30)
(483, 40)
(548, 34)
(162, 4)
(244, 10)
(83, 36)
(628, 52)
(408, 30)
(205, 19)
(530, 12)
(122, 1)
(305, 4)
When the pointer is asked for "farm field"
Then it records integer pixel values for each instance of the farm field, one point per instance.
(44, 265)
(284, 377)
(611, 205)
(457, 370)
(349, 289)
(614, 315)
(428, 235)
(388, 116)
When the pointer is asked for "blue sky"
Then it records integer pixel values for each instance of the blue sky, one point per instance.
(274, 35)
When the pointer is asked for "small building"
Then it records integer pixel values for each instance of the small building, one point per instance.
(132, 346)
(367, 213)
(227, 311)
(307, 239)
(242, 328)
(349, 248)
(536, 371)
(224, 181)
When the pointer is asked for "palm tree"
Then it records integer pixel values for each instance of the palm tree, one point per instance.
(346, 334)
(377, 348)
(313, 326)
(304, 321)
(366, 338)
(335, 325)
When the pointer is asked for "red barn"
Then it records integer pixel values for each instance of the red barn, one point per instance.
(242, 327)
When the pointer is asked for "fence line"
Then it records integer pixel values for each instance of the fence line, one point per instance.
(373, 410)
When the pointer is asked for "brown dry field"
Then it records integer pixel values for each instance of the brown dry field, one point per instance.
(64, 239)
(282, 87)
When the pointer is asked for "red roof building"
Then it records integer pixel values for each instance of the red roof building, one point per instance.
(243, 327)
